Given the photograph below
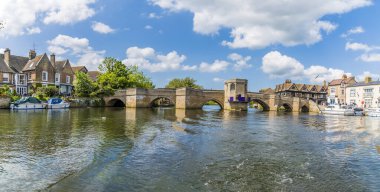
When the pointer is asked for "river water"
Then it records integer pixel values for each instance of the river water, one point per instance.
(117, 149)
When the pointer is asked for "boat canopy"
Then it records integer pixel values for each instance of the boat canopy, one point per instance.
(55, 101)
(27, 100)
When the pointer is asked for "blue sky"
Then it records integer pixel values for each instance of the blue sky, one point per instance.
(211, 41)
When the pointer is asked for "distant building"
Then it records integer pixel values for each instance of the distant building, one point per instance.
(317, 93)
(365, 94)
(21, 73)
(337, 90)
(80, 68)
(94, 75)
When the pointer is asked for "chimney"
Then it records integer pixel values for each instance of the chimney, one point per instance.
(52, 59)
(288, 81)
(344, 76)
(32, 54)
(7, 56)
(367, 79)
(324, 83)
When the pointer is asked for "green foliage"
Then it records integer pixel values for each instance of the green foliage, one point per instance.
(84, 86)
(185, 82)
(211, 103)
(44, 93)
(116, 75)
(5, 90)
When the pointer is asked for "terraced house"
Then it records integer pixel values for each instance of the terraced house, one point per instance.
(23, 73)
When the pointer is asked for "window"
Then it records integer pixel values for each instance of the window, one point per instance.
(6, 77)
(232, 88)
(57, 77)
(29, 76)
(68, 79)
(22, 79)
(342, 91)
(44, 76)
(332, 90)
(352, 92)
(342, 85)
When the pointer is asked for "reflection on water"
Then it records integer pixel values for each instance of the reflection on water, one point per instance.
(164, 149)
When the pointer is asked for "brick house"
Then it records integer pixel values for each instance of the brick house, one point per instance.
(21, 73)
(337, 89)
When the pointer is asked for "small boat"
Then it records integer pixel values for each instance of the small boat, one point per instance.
(342, 110)
(373, 112)
(57, 103)
(27, 103)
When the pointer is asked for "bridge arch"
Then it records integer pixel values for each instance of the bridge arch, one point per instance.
(214, 100)
(115, 102)
(263, 104)
(288, 107)
(305, 108)
(161, 101)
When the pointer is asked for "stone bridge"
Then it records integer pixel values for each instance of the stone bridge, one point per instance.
(188, 98)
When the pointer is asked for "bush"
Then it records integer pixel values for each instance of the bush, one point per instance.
(43, 93)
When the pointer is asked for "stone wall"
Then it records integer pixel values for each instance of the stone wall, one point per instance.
(4, 102)
(87, 102)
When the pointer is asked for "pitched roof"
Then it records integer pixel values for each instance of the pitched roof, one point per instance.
(59, 65)
(300, 88)
(3, 66)
(31, 65)
(94, 75)
(16, 64)
(364, 84)
(340, 81)
(78, 68)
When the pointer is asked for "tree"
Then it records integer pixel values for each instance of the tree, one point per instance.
(84, 86)
(116, 75)
(185, 82)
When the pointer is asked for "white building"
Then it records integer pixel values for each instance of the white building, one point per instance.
(365, 94)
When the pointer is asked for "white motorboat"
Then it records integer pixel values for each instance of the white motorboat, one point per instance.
(342, 110)
(57, 103)
(26, 103)
(373, 112)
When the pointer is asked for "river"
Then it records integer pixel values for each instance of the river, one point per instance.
(117, 149)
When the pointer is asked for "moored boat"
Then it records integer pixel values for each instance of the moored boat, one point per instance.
(57, 103)
(27, 103)
(342, 110)
(373, 112)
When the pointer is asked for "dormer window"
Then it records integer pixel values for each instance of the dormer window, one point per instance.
(44, 75)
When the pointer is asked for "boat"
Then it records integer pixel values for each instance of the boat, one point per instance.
(342, 110)
(373, 112)
(57, 103)
(27, 103)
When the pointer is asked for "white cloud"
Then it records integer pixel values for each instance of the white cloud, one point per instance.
(361, 77)
(2, 50)
(148, 59)
(79, 47)
(101, 28)
(217, 79)
(258, 24)
(241, 62)
(352, 31)
(370, 57)
(21, 17)
(33, 30)
(370, 53)
(357, 47)
(216, 66)
(281, 66)
(154, 16)
(148, 27)
(277, 65)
